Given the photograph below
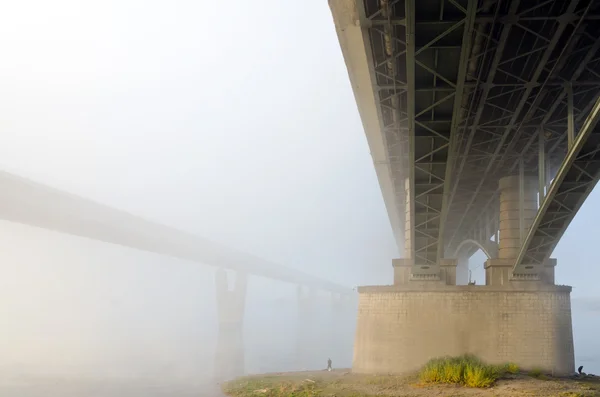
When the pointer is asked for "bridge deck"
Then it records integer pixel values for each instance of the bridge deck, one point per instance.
(31, 203)
(463, 91)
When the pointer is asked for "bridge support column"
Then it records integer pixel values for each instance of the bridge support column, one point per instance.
(548, 274)
(518, 207)
(229, 358)
(402, 269)
(338, 341)
(448, 271)
(517, 211)
(462, 269)
(305, 328)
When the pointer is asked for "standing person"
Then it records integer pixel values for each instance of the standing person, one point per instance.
(329, 364)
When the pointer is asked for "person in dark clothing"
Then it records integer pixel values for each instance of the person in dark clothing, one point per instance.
(329, 364)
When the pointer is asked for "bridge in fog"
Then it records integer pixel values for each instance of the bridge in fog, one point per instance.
(481, 117)
(27, 202)
(482, 120)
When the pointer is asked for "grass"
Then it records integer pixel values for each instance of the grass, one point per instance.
(270, 387)
(464, 376)
(465, 370)
(536, 373)
(511, 368)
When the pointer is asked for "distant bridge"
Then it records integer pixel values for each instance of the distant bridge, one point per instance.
(35, 204)
(31, 203)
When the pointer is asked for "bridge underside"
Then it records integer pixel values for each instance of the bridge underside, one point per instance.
(460, 97)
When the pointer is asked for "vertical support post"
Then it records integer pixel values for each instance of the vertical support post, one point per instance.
(570, 115)
(541, 165)
(304, 328)
(518, 205)
(521, 201)
(336, 328)
(410, 116)
(462, 268)
(409, 221)
(229, 358)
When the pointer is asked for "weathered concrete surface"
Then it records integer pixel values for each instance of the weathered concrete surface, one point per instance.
(510, 209)
(399, 328)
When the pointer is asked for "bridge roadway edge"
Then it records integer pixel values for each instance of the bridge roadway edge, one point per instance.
(401, 327)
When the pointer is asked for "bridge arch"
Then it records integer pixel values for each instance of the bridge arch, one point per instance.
(464, 250)
(489, 248)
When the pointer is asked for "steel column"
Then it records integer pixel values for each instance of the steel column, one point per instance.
(570, 116)
(410, 114)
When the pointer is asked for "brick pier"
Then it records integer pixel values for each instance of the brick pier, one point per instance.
(401, 327)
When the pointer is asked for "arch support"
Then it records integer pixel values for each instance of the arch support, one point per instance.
(489, 248)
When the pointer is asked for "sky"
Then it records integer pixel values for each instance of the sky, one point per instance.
(235, 122)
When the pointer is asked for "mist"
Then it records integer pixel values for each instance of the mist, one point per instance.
(235, 123)
(230, 131)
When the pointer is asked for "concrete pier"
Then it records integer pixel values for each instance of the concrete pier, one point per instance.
(229, 356)
(401, 327)
(305, 328)
(511, 211)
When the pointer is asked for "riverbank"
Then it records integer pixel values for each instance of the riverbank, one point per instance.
(344, 383)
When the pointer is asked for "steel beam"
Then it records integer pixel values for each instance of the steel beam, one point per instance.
(541, 165)
(588, 58)
(456, 118)
(579, 170)
(570, 116)
(514, 118)
(472, 127)
(410, 114)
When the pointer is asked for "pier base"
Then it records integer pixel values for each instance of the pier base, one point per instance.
(401, 327)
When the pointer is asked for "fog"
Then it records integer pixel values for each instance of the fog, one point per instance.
(235, 122)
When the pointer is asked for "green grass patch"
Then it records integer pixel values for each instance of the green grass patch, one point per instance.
(536, 373)
(466, 370)
(511, 368)
(271, 387)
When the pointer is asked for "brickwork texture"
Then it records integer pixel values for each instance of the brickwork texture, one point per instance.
(399, 330)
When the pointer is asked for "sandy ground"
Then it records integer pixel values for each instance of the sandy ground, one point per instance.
(342, 382)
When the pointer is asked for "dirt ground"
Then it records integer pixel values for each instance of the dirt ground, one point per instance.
(343, 383)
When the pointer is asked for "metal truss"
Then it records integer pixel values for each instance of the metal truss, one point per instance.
(575, 179)
(465, 89)
(524, 85)
(549, 127)
(421, 64)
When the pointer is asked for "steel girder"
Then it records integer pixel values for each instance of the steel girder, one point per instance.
(578, 174)
(421, 63)
(465, 90)
(551, 122)
(525, 103)
(551, 131)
